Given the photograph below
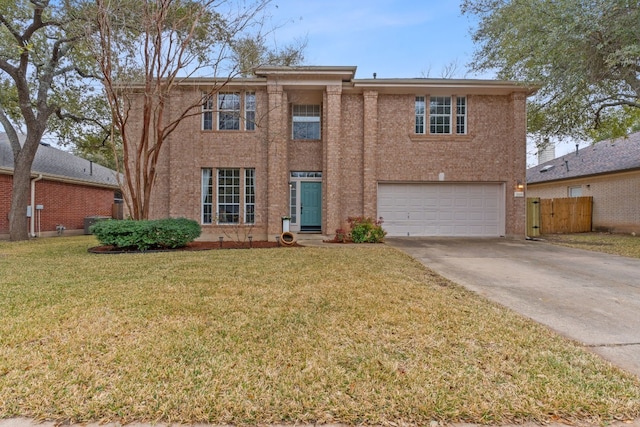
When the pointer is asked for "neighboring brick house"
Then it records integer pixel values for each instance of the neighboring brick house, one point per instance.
(433, 157)
(609, 171)
(66, 188)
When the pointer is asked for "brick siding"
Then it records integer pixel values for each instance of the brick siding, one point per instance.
(63, 203)
(367, 137)
(5, 202)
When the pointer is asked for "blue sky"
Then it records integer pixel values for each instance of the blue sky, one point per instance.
(393, 38)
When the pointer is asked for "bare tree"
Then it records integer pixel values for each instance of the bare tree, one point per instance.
(450, 70)
(145, 49)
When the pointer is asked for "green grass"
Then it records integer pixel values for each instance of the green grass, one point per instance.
(616, 244)
(347, 334)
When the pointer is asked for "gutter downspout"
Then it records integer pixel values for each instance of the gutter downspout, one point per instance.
(33, 205)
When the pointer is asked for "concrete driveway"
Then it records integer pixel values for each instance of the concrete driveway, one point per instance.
(590, 297)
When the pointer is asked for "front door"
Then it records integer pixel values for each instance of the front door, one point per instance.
(310, 206)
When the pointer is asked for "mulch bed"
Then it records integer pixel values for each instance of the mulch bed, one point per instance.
(194, 246)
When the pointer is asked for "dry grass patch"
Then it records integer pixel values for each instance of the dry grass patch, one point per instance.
(616, 244)
(359, 335)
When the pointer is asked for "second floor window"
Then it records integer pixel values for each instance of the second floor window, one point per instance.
(207, 114)
(250, 111)
(461, 115)
(420, 114)
(226, 112)
(440, 115)
(306, 122)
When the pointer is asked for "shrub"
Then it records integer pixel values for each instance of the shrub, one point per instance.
(176, 232)
(342, 236)
(366, 230)
(143, 235)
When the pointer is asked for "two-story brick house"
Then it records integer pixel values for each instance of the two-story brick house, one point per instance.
(433, 157)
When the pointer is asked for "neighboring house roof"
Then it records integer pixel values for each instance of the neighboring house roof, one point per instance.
(58, 164)
(613, 155)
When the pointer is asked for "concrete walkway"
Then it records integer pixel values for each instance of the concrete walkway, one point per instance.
(587, 296)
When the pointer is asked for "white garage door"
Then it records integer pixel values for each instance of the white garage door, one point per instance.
(442, 209)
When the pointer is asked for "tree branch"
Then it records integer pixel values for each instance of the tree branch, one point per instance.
(8, 68)
(80, 119)
(604, 106)
(12, 135)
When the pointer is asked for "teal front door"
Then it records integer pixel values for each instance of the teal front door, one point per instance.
(311, 206)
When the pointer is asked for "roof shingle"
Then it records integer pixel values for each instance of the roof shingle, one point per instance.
(55, 162)
(614, 155)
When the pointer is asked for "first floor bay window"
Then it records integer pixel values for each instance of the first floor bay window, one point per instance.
(207, 196)
(228, 211)
(226, 187)
(249, 196)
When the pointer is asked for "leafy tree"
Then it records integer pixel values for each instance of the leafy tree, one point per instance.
(42, 76)
(621, 121)
(99, 147)
(251, 52)
(585, 54)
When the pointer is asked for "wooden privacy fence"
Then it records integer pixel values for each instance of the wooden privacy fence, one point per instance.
(564, 215)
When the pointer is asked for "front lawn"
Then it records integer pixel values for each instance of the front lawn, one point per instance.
(616, 244)
(349, 334)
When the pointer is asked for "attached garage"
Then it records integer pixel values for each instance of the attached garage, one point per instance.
(442, 209)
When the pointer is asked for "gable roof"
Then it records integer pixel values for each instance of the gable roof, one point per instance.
(61, 165)
(609, 156)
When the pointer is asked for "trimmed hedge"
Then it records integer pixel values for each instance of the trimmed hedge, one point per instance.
(143, 235)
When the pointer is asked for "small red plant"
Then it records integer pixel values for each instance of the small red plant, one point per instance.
(342, 236)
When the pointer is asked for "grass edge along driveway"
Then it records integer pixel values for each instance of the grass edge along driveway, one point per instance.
(355, 335)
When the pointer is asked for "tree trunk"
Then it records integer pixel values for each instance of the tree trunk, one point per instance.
(18, 221)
